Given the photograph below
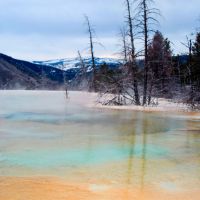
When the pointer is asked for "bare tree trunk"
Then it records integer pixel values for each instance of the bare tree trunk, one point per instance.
(83, 74)
(124, 43)
(190, 62)
(133, 57)
(146, 19)
(189, 66)
(192, 93)
(150, 88)
(83, 67)
(146, 68)
(93, 86)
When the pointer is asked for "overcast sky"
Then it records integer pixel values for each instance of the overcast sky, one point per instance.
(49, 29)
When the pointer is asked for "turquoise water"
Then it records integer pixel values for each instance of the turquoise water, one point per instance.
(62, 157)
(47, 133)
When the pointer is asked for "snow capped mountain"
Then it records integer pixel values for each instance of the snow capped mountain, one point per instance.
(74, 63)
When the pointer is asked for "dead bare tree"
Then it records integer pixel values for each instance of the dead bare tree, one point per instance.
(132, 63)
(113, 84)
(188, 45)
(82, 74)
(83, 66)
(125, 49)
(145, 19)
(111, 91)
(91, 32)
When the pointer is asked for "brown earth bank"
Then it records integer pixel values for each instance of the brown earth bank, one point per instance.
(36, 188)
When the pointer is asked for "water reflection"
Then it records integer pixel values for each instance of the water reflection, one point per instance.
(131, 157)
(147, 136)
(144, 142)
(141, 128)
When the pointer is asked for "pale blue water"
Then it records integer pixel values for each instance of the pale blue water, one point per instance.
(48, 133)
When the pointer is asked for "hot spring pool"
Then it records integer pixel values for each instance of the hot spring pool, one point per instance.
(43, 134)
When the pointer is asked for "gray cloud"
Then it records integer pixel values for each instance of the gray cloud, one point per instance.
(35, 29)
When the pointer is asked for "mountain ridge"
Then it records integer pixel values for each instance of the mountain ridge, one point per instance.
(15, 73)
(20, 74)
(74, 63)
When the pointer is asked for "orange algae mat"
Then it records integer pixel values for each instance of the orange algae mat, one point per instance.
(51, 189)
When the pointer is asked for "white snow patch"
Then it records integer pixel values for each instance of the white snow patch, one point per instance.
(74, 63)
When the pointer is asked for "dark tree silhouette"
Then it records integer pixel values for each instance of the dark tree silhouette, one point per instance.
(132, 62)
(160, 66)
(90, 32)
(125, 49)
(145, 18)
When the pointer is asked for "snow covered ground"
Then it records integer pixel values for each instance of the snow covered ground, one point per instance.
(163, 105)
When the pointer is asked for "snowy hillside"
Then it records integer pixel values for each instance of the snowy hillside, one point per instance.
(74, 63)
